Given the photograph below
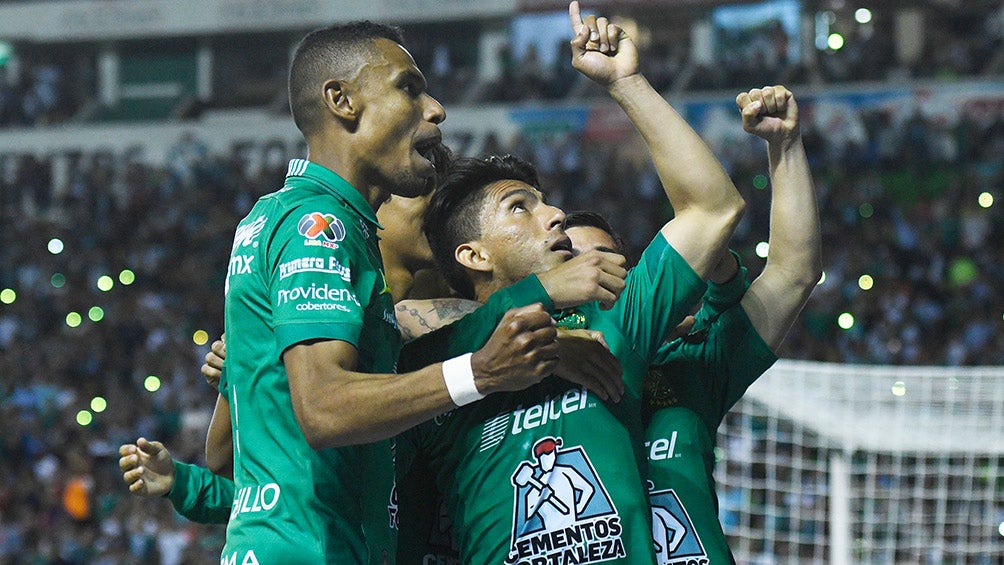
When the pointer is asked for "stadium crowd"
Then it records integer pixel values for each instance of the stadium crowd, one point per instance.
(42, 89)
(899, 204)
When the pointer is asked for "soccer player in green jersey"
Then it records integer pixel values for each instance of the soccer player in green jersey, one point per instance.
(551, 474)
(312, 339)
(730, 342)
(201, 496)
(733, 341)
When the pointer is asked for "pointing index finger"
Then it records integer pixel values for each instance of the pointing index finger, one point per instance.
(575, 15)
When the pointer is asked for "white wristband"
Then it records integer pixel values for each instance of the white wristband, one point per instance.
(459, 377)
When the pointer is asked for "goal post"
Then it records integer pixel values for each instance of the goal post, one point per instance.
(834, 463)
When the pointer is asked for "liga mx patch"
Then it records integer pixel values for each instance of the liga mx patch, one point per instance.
(676, 540)
(321, 229)
(562, 512)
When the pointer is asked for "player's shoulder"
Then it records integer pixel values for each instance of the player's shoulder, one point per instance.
(308, 210)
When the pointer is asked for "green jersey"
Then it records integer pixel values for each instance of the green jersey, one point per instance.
(551, 474)
(201, 496)
(699, 378)
(305, 265)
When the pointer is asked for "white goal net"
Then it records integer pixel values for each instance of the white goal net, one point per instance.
(831, 463)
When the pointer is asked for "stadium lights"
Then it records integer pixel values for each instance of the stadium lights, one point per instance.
(8, 296)
(96, 314)
(73, 319)
(835, 41)
(200, 337)
(55, 246)
(105, 283)
(845, 321)
(866, 282)
(822, 279)
(986, 200)
(1000, 529)
(760, 181)
(99, 404)
(898, 388)
(152, 383)
(84, 418)
(762, 249)
(127, 277)
(862, 15)
(57, 280)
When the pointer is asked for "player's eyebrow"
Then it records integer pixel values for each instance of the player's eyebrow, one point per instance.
(411, 74)
(522, 191)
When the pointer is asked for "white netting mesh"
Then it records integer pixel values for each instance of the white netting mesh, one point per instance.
(852, 464)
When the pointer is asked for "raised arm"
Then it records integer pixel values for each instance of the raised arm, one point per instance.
(706, 204)
(794, 262)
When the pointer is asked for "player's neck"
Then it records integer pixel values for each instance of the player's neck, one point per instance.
(331, 156)
(487, 287)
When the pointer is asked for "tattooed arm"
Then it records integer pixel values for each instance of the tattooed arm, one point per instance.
(416, 318)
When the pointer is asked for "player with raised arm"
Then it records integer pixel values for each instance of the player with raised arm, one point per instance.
(733, 340)
(490, 223)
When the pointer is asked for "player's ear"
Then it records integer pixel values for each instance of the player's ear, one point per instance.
(340, 100)
(472, 255)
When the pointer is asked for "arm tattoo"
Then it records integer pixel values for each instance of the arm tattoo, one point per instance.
(416, 318)
(406, 318)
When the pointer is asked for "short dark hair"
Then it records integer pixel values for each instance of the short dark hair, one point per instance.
(453, 216)
(323, 54)
(585, 219)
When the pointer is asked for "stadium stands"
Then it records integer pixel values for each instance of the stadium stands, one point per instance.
(911, 244)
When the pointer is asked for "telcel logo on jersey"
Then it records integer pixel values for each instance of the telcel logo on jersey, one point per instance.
(562, 513)
(552, 408)
(321, 229)
(662, 448)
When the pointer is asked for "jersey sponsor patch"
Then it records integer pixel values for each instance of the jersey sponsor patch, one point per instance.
(562, 512)
(552, 408)
(247, 234)
(321, 229)
(676, 540)
(314, 297)
(327, 265)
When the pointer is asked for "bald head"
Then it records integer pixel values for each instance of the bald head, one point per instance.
(336, 52)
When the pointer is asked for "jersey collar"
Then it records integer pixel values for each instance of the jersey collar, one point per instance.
(341, 187)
